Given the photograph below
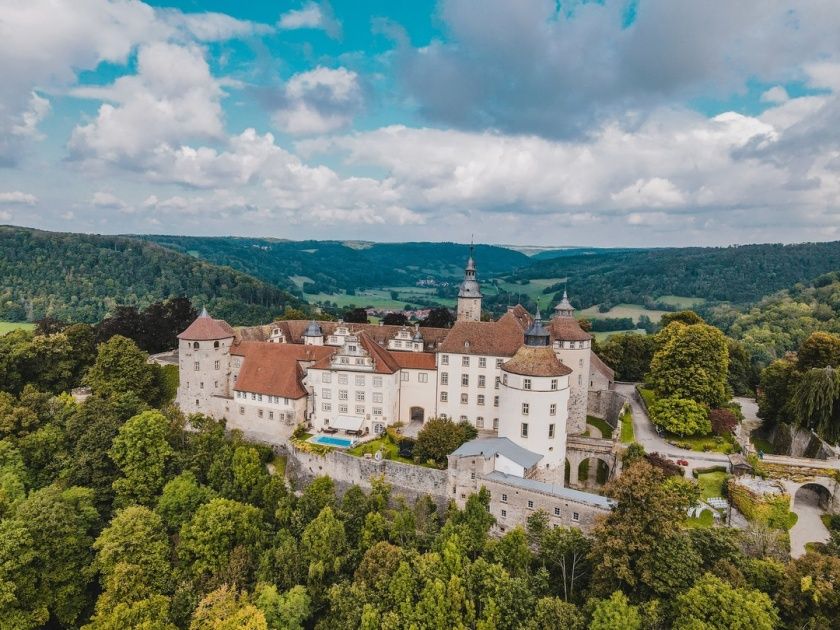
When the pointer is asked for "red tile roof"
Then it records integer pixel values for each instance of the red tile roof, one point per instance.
(602, 367)
(502, 338)
(205, 328)
(536, 361)
(415, 360)
(567, 329)
(274, 368)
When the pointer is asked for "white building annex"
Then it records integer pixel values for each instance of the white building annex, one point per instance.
(518, 380)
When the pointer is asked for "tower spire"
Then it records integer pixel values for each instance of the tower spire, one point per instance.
(469, 293)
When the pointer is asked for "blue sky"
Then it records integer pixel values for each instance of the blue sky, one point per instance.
(620, 122)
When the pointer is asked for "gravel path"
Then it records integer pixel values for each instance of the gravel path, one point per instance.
(809, 527)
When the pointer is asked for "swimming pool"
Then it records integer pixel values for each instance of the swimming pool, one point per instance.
(328, 440)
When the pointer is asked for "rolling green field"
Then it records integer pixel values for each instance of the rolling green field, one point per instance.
(621, 310)
(381, 298)
(534, 289)
(681, 302)
(606, 334)
(10, 326)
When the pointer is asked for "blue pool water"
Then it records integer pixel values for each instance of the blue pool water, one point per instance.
(328, 440)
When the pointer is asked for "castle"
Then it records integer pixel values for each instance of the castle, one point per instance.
(522, 382)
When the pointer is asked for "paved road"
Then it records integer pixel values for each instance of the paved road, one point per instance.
(646, 435)
(809, 527)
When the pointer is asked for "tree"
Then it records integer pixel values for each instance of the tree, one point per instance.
(688, 318)
(692, 363)
(223, 609)
(395, 319)
(723, 421)
(815, 402)
(819, 350)
(564, 552)
(180, 499)
(141, 451)
(438, 318)
(629, 355)
(778, 382)
(121, 367)
(681, 416)
(323, 545)
(356, 316)
(552, 612)
(149, 614)
(284, 611)
(742, 377)
(221, 541)
(615, 612)
(713, 603)
(809, 596)
(439, 437)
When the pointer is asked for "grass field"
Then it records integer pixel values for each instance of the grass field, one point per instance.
(605, 429)
(10, 326)
(706, 519)
(388, 448)
(628, 434)
(711, 484)
(606, 334)
(681, 302)
(534, 289)
(381, 298)
(621, 310)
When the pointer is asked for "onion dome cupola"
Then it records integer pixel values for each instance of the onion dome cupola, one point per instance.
(537, 335)
(564, 308)
(469, 287)
(313, 330)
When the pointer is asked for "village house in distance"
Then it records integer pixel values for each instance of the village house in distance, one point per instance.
(523, 382)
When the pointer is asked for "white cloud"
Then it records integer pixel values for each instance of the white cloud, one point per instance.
(776, 94)
(319, 101)
(655, 192)
(107, 200)
(18, 198)
(173, 98)
(5, 215)
(312, 15)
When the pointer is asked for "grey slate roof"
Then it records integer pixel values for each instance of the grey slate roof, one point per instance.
(547, 488)
(488, 447)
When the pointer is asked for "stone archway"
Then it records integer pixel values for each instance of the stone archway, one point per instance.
(813, 493)
(417, 414)
(592, 471)
(809, 501)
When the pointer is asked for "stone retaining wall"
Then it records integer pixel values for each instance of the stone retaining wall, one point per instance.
(607, 405)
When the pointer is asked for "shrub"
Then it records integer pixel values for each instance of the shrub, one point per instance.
(439, 437)
(663, 463)
(681, 416)
(723, 421)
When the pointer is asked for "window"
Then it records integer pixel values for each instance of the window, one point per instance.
(463, 418)
(217, 364)
(481, 399)
(444, 378)
(326, 377)
(553, 383)
(464, 399)
(525, 409)
(526, 383)
(482, 380)
(465, 361)
(552, 409)
(196, 366)
(482, 362)
(342, 409)
(472, 475)
(404, 376)
(342, 394)
(377, 411)
(575, 516)
(530, 505)
(557, 511)
(495, 401)
(444, 397)
(504, 513)
(580, 379)
(422, 377)
(360, 410)
(498, 380)
(351, 348)
(342, 379)
(241, 410)
(479, 422)
(360, 396)
(377, 397)
(465, 380)
(495, 424)
(524, 430)
(271, 415)
(550, 431)
(580, 363)
(499, 362)
(201, 385)
(259, 397)
(360, 380)
(377, 381)
(504, 498)
(444, 359)
(253, 396)
(326, 394)
(398, 344)
(326, 406)
(504, 379)
(260, 413)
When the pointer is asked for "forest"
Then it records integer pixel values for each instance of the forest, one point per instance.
(82, 278)
(119, 512)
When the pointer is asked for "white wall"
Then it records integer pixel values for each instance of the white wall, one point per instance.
(373, 388)
(416, 393)
(453, 407)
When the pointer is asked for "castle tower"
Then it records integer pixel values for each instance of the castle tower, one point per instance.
(573, 346)
(534, 397)
(313, 336)
(204, 362)
(469, 295)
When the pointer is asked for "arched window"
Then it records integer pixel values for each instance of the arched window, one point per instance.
(215, 344)
(195, 345)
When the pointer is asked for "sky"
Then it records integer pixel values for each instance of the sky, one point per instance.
(538, 122)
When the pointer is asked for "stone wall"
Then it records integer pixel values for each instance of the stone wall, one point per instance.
(798, 442)
(607, 405)
(406, 480)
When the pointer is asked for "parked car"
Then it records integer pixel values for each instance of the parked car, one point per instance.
(682, 462)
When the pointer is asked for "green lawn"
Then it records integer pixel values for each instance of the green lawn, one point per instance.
(761, 444)
(711, 484)
(388, 448)
(702, 443)
(681, 302)
(279, 463)
(706, 519)
(621, 310)
(10, 326)
(598, 423)
(628, 434)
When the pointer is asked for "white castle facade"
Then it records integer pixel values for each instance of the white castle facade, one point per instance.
(520, 381)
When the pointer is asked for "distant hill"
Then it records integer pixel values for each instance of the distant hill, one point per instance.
(330, 266)
(78, 277)
(741, 275)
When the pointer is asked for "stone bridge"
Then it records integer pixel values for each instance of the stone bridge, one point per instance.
(795, 473)
(579, 448)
